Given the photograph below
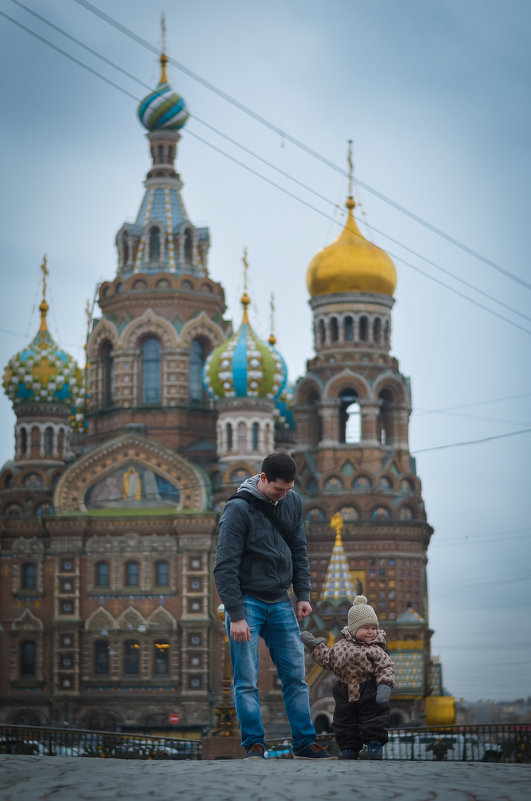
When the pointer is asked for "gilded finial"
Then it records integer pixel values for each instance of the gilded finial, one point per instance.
(272, 338)
(245, 299)
(163, 57)
(45, 273)
(43, 306)
(336, 522)
(350, 201)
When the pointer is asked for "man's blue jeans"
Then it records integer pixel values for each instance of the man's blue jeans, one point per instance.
(277, 625)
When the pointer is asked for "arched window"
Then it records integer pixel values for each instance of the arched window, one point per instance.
(384, 422)
(188, 247)
(322, 333)
(162, 574)
(364, 324)
(28, 657)
(101, 657)
(242, 437)
(107, 360)
(349, 417)
(131, 657)
(229, 437)
(161, 658)
(151, 370)
(23, 440)
(377, 330)
(197, 361)
(334, 329)
(102, 574)
(154, 244)
(348, 329)
(132, 573)
(29, 576)
(160, 154)
(125, 249)
(48, 439)
(387, 332)
(255, 433)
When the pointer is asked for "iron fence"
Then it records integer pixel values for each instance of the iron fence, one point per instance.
(100, 744)
(487, 743)
(481, 743)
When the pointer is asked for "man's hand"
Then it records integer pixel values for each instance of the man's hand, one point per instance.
(240, 631)
(303, 609)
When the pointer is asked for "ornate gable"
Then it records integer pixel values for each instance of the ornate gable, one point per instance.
(130, 472)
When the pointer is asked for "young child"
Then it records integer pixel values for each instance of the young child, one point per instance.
(366, 676)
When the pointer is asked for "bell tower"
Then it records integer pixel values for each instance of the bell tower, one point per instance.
(352, 411)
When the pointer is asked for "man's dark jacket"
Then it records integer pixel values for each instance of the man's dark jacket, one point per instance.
(253, 558)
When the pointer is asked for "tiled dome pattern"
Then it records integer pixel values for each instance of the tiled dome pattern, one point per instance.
(42, 372)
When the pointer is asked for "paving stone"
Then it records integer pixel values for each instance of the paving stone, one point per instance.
(39, 778)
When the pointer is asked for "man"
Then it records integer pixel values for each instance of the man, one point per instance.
(261, 552)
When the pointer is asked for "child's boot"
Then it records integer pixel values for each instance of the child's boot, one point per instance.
(374, 750)
(348, 753)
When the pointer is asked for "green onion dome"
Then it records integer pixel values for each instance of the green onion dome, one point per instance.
(42, 372)
(244, 366)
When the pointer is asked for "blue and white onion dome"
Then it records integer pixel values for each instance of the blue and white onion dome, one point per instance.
(244, 366)
(163, 109)
(42, 372)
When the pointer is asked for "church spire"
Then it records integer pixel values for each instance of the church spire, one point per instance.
(338, 584)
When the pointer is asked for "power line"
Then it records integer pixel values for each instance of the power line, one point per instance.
(271, 126)
(272, 183)
(323, 214)
(473, 403)
(471, 442)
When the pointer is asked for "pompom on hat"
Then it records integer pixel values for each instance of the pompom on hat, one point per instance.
(361, 614)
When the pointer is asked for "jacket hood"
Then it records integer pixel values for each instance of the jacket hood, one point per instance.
(380, 638)
(250, 485)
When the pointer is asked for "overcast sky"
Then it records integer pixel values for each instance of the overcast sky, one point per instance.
(435, 96)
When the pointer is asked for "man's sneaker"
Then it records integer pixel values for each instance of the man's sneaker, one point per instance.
(255, 751)
(347, 753)
(312, 751)
(374, 750)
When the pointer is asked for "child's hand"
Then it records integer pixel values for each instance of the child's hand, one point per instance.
(309, 640)
(383, 694)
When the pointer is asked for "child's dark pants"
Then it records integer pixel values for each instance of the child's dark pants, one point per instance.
(361, 721)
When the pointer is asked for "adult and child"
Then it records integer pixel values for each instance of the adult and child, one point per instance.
(261, 553)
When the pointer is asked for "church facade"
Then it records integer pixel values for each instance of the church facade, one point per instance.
(109, 506)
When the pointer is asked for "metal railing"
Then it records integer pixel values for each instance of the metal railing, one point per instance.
(486, 743)
(481, 743)
(101, 744)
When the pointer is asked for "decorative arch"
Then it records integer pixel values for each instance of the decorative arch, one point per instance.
(308, 391)
(347, 379)
(130, 619)
(100, 620)
(148, 324)
(104, 330)
(161, 619)
(388, 382)
(113, 458)
(27, 622)
(202, 327)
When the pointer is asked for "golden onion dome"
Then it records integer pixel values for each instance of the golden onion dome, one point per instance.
(351, 264)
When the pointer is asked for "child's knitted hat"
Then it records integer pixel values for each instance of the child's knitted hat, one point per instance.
(360, 614)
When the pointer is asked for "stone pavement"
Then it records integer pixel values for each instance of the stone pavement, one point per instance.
(40, 778)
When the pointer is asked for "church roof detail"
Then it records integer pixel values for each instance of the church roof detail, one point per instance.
(42, 372)
(338, 585)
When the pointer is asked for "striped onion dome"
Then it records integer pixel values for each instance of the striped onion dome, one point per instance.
(245, 366)
(42, 372)
(338, 585)
(163, 109)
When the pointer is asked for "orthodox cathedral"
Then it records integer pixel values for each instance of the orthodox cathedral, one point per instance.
(109, 506)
